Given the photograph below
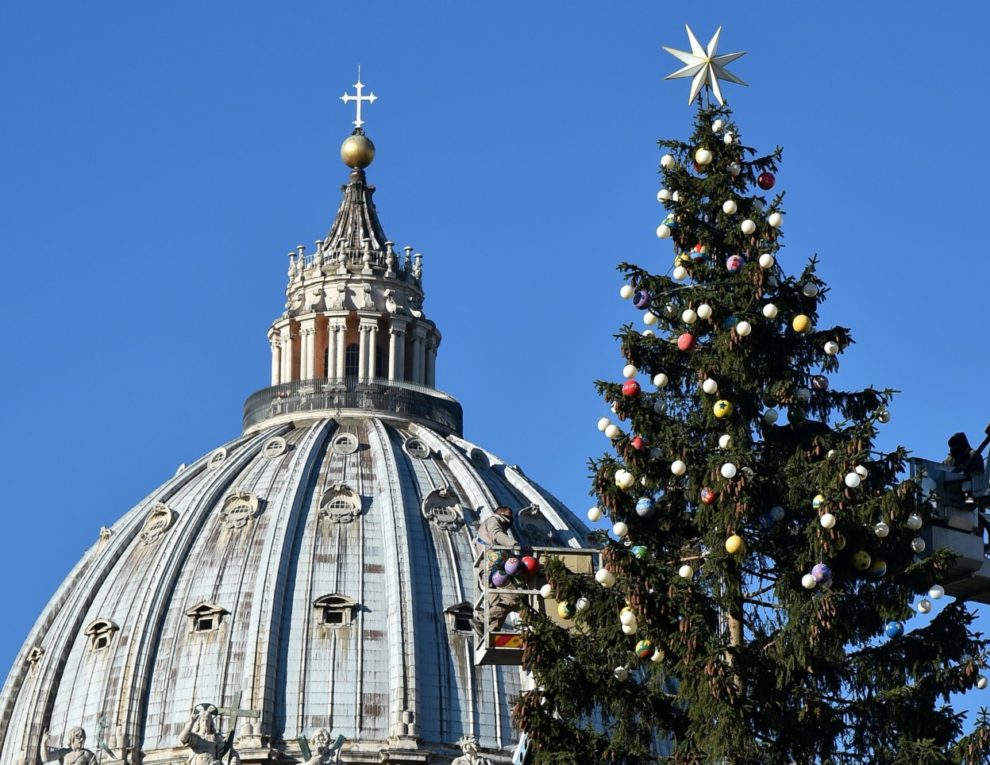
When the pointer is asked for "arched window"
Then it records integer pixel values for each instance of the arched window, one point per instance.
(334, 610)
(351, 356)
(100, 633)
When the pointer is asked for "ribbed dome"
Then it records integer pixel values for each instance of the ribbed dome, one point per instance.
(223, 580)
(317, 572)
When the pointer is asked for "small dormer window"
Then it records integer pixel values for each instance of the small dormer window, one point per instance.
(416, 448)
(217, 458)
(100, 633)
(334, 610)
(340, 504)
(205, 617)
(344, 443)
(274, 447)
(479, 459)
(460, 617)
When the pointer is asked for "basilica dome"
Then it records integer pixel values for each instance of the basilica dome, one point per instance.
(315, 572)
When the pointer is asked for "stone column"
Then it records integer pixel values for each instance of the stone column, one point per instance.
(276, 358)
(432, 341)
(372, 350)
(307, 366)
(368, 333)
(397, 350)
(285, 338)
(362, 352)
(419, 354)
(340, 364)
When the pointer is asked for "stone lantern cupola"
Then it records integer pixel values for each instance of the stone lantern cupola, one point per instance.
(354, 306)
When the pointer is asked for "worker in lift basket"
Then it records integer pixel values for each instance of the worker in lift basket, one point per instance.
(494, 530)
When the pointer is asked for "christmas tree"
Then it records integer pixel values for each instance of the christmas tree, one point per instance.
(754, 603)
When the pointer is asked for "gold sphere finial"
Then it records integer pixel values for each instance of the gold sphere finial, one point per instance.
(357, 150)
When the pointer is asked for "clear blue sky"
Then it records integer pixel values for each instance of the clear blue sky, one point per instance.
(158, 161)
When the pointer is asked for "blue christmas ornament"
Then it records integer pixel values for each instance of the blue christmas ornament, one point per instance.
(729, 322)
(669, 222)
(639, 551)
(821, 572)
(644, 506)
(893, 630)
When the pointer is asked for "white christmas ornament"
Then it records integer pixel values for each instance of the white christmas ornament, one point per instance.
(605, 578)
(629, 629)
(679, 273)
(728, 470)
(650, 318)
(626, 292)
(677, 467)
(775, 220)
(594, 514)
(982, 682)
(620, 529)
(704, 311)
(546, 591)
(881, 530)
(685, 571)
(914, 522)
(770, 416)
(603, 423)
(663, 231)
(624, 479)
(717, 126)
(747, 227)
(582, 603)
(689, 316)
(612, 430)
(827, 521)
(621, 674)
(743, 328)
(725, 441)
(853, 480)
(924, 606)
(660, 380)
(615, 407)
(808, 582)
(663, 195)
(675, 197)
(626, 616)
(729, 207)
(883, 416)
(704, 66)
(831, 348)
(703, 156)
(728, 139)
(810, 289)
(936, 592)
(735, 169)
(863, 472)
(709, 386)
(629, 371)
(770, 311)
(767, 260)
(918, 545)
(667, 161)
(648, 333)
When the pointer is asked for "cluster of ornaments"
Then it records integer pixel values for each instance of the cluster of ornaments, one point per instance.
(503, 567)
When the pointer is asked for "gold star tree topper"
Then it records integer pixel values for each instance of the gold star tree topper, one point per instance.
(704, 66)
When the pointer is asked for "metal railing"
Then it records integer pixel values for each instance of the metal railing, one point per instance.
(334, 395)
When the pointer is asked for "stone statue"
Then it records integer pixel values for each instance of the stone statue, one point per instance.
(201, 736)
(470, 756)
(324, 751)
(75, 754)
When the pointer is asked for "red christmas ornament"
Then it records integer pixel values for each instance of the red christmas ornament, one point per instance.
(630, 388)
(638, 443)
(531, 564)
(707, 495)
(686, 341)
(765, 181)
